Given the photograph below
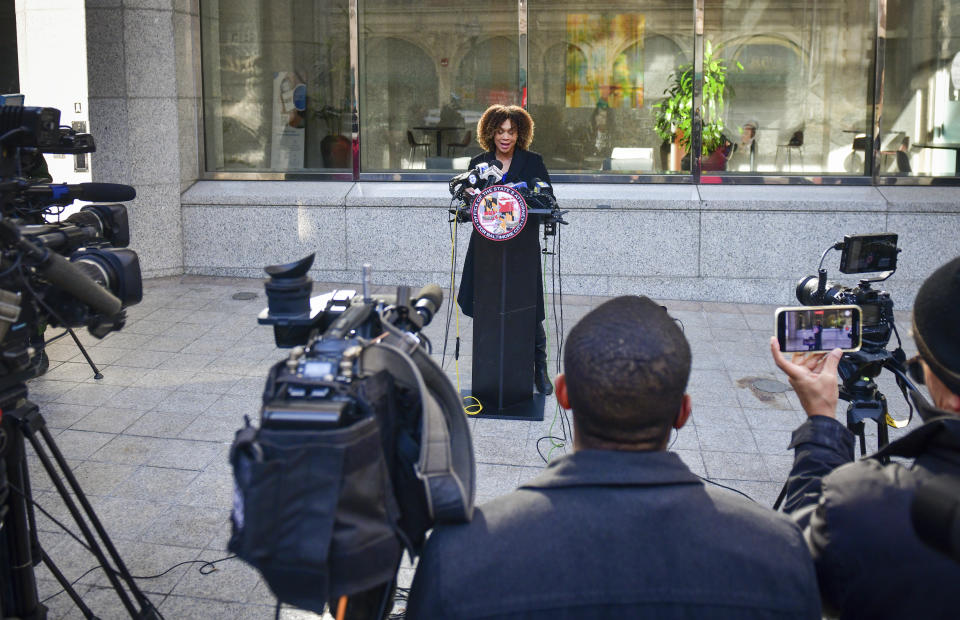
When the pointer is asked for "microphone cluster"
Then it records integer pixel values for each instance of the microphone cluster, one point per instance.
(477, 179)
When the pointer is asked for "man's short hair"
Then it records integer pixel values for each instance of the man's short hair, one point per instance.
(936, 329)
(627, 364)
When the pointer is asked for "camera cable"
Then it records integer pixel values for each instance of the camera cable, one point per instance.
(474, 407)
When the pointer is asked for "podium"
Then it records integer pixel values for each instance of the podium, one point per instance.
(505, 290)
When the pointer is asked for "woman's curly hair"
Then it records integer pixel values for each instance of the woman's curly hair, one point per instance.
(494, 117)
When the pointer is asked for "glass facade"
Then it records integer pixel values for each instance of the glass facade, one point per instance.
(783, 88)
(920, 106)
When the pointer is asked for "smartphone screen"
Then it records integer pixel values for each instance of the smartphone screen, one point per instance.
(869, 253)
(818, 328)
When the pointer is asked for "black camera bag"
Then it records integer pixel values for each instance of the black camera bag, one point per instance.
(327, 513)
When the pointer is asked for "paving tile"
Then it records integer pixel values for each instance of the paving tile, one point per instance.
(155, 482)
(175, 606)
(128, 450)
(705, 415)
(211, 489)
(70, 371)
(684, 439)
(101, 478)
(187, 402)
(118, 375)
(107, 420)
(183, 454)
(212, 428)
(60, 415)
(500, 450)
(141, 398)
(158, 423)
(81, 444)
(779, 466)
(773, 419)
(693, 460)
(126, 518)
(726, 439)
(735, 466)
(773, 442)
(43, 391)
(212, 383)
(495, 480)
(89, 394)
(763, 493)
(186, 526)
(143, 358)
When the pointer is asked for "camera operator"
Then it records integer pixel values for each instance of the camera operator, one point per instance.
(621, 528)
(856, 515)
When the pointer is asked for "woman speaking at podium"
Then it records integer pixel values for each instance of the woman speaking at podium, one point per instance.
(505, 133)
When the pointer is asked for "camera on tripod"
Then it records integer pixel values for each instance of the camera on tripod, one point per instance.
(362, 445)
(861, 254)
(73, 273)
(866, 253)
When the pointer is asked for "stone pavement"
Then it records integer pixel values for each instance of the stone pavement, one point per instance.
(149, 441)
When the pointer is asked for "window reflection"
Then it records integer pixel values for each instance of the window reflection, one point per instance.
(594, 77)
(427, 72)
(276, 85)
(802, 99)
(920, 122)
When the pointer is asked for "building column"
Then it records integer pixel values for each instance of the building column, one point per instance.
(138, 53)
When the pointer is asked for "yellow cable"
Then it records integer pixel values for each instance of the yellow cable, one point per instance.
(477, 407)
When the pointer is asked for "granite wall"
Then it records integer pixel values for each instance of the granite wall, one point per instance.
(717, 243)
(143, 70)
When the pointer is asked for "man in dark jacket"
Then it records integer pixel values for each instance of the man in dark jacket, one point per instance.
(621, 528)
(856, 515)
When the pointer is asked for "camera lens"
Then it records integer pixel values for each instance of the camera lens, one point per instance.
(807, 291)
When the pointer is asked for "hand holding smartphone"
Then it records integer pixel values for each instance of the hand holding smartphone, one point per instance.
(818, 328)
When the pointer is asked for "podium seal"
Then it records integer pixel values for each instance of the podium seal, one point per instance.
(499, 213)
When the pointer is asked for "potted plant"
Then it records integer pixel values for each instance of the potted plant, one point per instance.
(334, 148)
(674, 115)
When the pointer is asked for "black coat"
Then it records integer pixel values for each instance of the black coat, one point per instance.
(525, 166)
(856, 516)
(605, 534)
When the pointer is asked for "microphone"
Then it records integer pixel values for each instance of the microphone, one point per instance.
(63, 193)
(542, 187)
(428, 301)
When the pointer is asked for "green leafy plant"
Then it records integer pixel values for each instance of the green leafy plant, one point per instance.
(674, 115)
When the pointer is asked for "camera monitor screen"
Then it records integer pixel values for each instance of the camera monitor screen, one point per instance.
(818, 328)
(869, 253)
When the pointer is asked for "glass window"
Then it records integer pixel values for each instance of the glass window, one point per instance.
(428, 70)
(920, 116)
(276, 85)
(595, 76)
(797, 88)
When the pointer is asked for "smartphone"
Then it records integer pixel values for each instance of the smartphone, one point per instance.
(869, 253)
(818, 328)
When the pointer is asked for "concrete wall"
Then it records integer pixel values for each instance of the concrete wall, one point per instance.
(721, 243)
(143, 70)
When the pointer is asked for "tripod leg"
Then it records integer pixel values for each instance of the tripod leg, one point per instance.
(22, 601)
(96, 371)
(31, 421)
(66, 585)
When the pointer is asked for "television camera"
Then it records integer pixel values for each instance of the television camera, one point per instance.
(863, 254)
(362, 445)
(72, 273)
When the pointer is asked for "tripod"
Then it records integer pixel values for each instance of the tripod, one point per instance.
(857, 371)
(20, 548)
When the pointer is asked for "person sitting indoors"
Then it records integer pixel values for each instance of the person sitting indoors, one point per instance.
(856, 515)
(620, 528)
